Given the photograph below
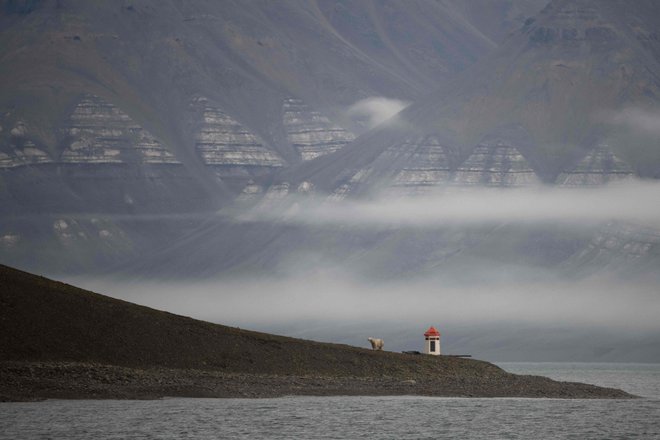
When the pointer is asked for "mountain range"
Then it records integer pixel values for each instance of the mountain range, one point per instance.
(178, 107)
(193, 140)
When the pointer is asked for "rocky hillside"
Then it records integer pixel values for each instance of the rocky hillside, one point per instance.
(196, 98)
(124, 124)
(60, 341)
(579, 77)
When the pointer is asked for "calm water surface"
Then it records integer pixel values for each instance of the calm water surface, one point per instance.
(360, 417)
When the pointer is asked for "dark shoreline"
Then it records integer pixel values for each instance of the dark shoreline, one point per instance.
(30, 381)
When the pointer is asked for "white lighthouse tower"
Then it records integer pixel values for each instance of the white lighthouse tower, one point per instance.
(432, 341)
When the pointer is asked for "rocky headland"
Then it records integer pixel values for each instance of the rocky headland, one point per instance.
(58, 341)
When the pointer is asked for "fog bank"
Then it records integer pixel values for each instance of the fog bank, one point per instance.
(633, 201)
(337, 308)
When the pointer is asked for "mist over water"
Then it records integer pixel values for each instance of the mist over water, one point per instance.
(325, 297)
(591, 319)
(491, 298)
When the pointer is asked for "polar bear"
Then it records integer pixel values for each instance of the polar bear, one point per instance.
(376, 344)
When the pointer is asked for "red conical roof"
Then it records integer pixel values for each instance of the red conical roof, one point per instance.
(432, 332)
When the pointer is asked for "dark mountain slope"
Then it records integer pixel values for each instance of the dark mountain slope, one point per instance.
(555, 90)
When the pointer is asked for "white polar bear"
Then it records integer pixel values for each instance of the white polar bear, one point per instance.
(376, 344)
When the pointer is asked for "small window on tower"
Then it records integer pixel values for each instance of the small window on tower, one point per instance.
(432, 346)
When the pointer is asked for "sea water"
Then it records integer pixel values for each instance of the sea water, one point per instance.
(361, 417)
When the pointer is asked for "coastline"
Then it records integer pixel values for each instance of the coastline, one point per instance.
(59, 341)
(30, 381)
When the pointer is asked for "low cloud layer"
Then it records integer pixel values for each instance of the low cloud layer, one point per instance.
(596, 315)
(633, 201)
(375, 110)
(553, 320)
(333, 297)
